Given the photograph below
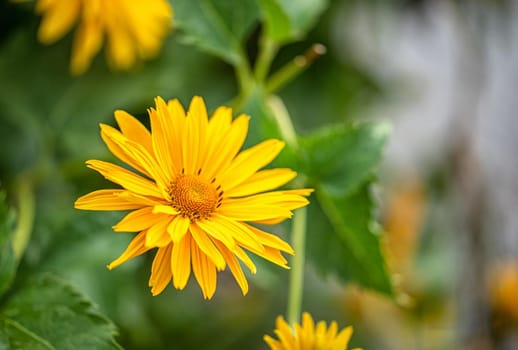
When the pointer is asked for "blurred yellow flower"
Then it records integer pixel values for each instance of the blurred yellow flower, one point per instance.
(133, 29)
(195, 195)
(308, 336)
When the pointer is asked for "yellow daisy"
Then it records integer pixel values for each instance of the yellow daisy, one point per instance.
(308, 336)
(196, 194)
(133, 29)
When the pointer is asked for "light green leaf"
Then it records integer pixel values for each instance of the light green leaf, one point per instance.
(7, 260)
(218, 27)
(341, 158)
(48, 313)
(287, 20)
(343, 238)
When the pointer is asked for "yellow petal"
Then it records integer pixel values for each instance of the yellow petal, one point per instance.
(194, 138)
(239, 232)
(181, 262)
(261, 181)
(113, 139)
(105, 200)
(178, 228)
(161, 270)
(157, 234)
(218, 232)
(204, 270)
(87, 43)
(207, 246)
(226, 147)
(138, 220)
(135, 248)
(133, 129)
(161, 134)
(270, 240)
(342, 340)
(58, 20)
(249, 161)
(125, 178)
(164, 209)
(234, 266)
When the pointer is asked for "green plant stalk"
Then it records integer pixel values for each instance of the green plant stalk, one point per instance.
(294, 68)
(296, 286)
(26, 205)
(268, 49)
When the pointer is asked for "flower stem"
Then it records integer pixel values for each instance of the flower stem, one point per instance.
(26, 204)
(297, 270)
(294, 68)
(267, 51)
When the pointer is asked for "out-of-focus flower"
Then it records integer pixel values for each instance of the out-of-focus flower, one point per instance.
(504, 290)
(132, 29)
(196, 194)
(309, 336)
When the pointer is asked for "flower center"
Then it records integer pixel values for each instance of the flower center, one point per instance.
(194, 197)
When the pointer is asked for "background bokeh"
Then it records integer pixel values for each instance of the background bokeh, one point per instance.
(445, 73)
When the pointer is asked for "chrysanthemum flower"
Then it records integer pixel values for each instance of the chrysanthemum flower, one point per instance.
(196, 194)
(133, 29)
(308, 336)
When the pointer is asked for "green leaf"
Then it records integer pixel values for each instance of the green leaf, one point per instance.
(343, 238)
(218, 27)
(287, 20)
(341, 158)
(7, 260)
(48, 313)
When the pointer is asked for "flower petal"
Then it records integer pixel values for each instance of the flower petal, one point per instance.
(178, 228)
(238, 231)
(207, 246)
(125, 178)
(204, 270)
(138, 220)
(270, 240)
(112, 138)
(249, 161)
(226, 146)
(157, 234)
(105, 200)
(133, 129)
(234, 266)
(135, 248)
(57, 20)
(261, 181)
(161, 270)
(194, 138)
(181, 262)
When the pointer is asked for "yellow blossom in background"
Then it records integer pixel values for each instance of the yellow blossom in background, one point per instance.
(195, 194)
(309, 336)
(131, 29)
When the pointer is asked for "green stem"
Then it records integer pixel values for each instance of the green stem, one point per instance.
(296, 66)
(244, 77)
(297, 267)
(26, 205)
(267, 51)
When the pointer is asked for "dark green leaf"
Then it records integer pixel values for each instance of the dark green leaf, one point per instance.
(48, 313)
(343, 238)
(7, 261)
(341, 158)
(287, 20)
(218, 27)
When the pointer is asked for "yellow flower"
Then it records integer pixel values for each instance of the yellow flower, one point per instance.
(133, 29)
(308, 336)
(196, 194)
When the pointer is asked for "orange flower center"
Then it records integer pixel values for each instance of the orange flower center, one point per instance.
(193, 197)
